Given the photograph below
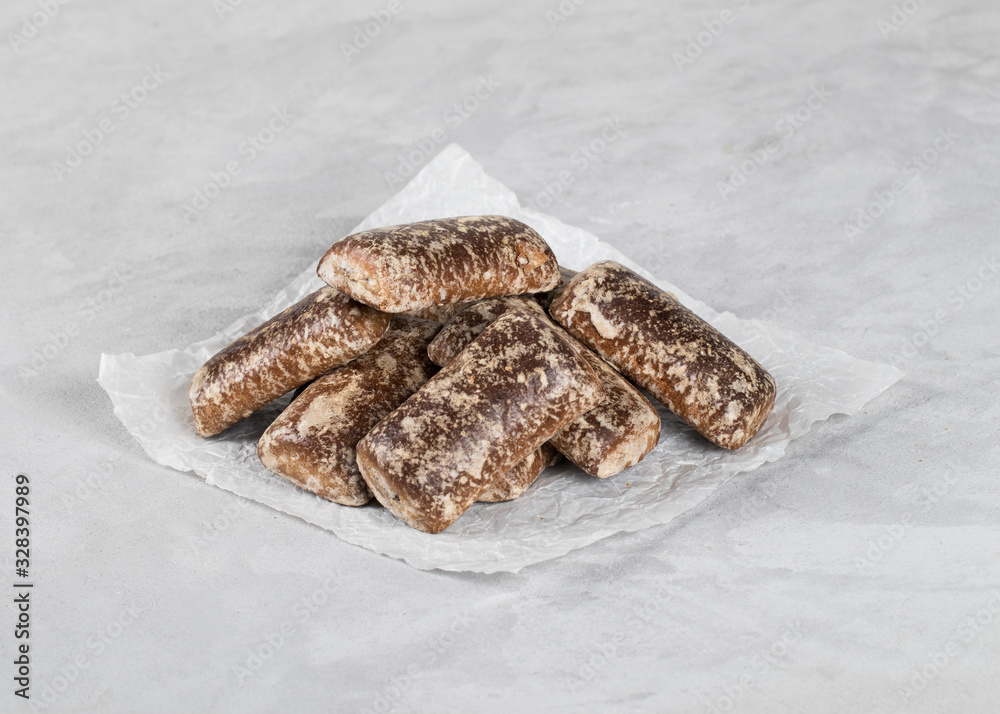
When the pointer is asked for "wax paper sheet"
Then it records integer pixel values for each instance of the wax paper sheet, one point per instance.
(565, 509)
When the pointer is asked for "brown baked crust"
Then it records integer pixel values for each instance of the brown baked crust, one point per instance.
(467, 325)
(565, 275)
(320, 332)
(698, 373)
(440, 262)
(463, 326)
(612, 436)
(518, 479)
(436, 313)
(504, 396)
(312, 443)
(615, 434)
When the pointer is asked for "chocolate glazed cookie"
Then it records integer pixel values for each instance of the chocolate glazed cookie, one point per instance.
(612, 436)
(519, 383)
(518, 479)
(321, 331)
(312, 443)
(440, 262)
(697, 372)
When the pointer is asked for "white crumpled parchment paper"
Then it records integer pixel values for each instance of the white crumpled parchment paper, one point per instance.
(565, 509)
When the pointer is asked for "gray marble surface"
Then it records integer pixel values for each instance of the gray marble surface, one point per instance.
(828, 166)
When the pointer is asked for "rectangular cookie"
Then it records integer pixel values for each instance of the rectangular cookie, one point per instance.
(612, 436)
(469, 323)
(320, 332)
(440, 262)
(615, 434)
(504, 396)
(312, 442)
(445, 313)
(518, 479)
(697, 372)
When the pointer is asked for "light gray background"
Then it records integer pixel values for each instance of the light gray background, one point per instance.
(841, 578)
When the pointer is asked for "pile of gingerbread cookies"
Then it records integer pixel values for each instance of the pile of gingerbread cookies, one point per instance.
(451, 361)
